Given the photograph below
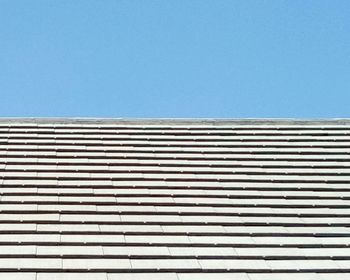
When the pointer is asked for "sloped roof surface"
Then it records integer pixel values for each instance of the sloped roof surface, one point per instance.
(174, 199)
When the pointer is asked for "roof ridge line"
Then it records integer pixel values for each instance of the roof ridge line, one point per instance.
(174, 121)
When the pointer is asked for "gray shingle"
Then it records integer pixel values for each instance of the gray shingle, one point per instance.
(71, 276)
(69, 250)
(213, 276)
(287, 276)
(34, 263)
(142, 276)
(165, 264)
(135, 250)
(96, 263)
(18, 275)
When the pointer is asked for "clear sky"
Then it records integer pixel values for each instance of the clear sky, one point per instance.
(173, 58)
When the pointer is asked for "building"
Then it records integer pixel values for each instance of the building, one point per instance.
(116, 199)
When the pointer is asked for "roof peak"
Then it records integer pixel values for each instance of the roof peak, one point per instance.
(178, 121)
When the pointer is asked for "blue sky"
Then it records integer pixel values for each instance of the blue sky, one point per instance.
(157, 58)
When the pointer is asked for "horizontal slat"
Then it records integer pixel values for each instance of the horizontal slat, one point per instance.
(276, 204)
(97, 164)
(80, 228)
(184, 192)
(175, 138)
(337, 130)
(105, 145)
(185, 265)
(167, 171)
(171, 276)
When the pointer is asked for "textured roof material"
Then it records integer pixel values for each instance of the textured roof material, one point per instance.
(110, 199)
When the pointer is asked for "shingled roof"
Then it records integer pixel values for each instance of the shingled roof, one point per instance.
(174, 199)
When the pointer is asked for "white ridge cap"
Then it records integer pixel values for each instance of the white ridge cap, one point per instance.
(176, 121)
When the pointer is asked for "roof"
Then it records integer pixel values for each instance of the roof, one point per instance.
(172, 199)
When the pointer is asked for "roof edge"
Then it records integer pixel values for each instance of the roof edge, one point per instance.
(175, 121)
